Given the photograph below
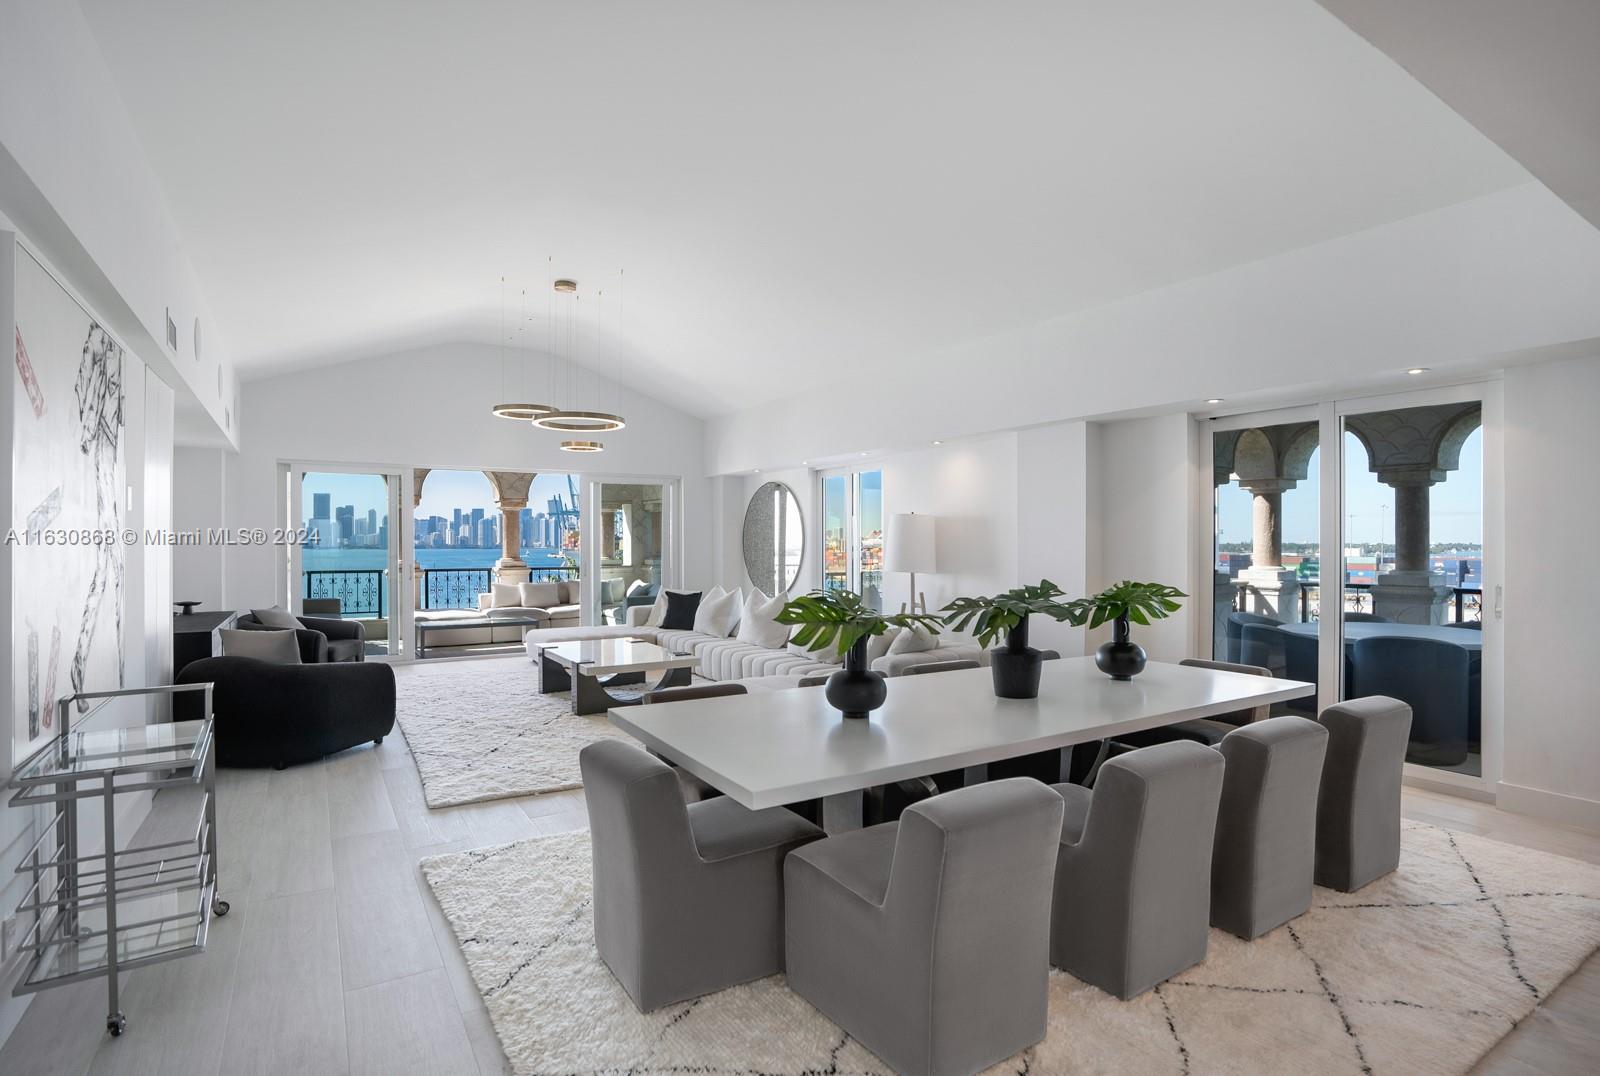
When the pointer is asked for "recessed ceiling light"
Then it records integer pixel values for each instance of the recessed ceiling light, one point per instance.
(1214, 400)
(863, 453)
(1415, 370)
(756, 471)
(938, 442)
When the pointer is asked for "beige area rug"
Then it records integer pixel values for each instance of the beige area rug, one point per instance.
(1420, 972)
(479, 730)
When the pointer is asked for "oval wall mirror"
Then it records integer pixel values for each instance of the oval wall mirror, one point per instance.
(774, 538)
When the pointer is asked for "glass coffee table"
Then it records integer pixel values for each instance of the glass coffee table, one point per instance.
(601, 673)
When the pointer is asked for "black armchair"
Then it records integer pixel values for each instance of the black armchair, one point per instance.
(274, 715)
(321, 639)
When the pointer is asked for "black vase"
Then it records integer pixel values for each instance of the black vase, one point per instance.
(1121, 658)
(1016, 666)
(855, 690)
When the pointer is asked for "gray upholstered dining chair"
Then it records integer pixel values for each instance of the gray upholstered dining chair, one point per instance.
(1132, 904)
(926, 938)
(1263, 856)
(694, 789)
(1206, 730)
(1049, 655)
(688, 898)
(1358, 802)
(954, 665)
(814, 680)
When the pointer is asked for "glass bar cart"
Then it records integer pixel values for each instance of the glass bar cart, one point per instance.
(110, 911)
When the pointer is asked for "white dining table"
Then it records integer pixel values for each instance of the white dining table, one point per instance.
(772, 748)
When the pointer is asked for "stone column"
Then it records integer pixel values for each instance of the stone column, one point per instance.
(1271, 589)
(1410, 593)
(511, 497)
(419, 475)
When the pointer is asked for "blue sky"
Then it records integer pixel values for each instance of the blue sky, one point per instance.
(1456, 504)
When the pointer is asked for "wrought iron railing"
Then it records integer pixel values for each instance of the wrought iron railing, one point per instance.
(361, 591)
(458, 588)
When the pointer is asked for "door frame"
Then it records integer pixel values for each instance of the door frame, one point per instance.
(589, 535)
(1329, 414)
(399, 556)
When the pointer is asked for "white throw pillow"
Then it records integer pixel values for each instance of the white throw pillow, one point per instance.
(914, 641)
(828, 655)
(879, 645)
(504, 596)
(718, 613)
(538, 595)
(758, 623)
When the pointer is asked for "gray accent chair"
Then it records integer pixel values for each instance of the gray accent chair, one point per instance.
(694, 789)
(1358, 803)
(688, 898)
(926, 938)
(1132, 903)
(955, 665)
(1263, 857)
(1206, 730)
(320, 640)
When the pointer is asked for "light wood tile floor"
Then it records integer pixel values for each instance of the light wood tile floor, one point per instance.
(336, 959)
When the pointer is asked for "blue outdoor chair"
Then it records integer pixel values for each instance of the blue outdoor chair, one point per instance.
(1300, 663)
(1366, 618)
(1434, 678)
(1234, 637)
(1262, 645)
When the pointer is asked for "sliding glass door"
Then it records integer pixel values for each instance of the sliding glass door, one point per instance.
(1349, 548)
(629, 538)
(349, 565)
(852, 534)
(1413, 572)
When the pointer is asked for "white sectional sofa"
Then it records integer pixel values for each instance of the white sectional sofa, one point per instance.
(729, 659)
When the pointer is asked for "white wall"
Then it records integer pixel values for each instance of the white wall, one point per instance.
(423, 408)
(1145, 522)
(197, 480)
(1552, 592)
(146, 619)
(1053, 484)
(76, 181)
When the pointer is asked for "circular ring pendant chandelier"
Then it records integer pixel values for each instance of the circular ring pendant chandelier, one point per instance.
(579, 421)
(522, 412)
(582, 446)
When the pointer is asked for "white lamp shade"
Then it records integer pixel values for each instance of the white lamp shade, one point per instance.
(910, 546)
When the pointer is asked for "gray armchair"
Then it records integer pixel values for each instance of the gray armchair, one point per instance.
(320, 639)
(688, 898)
(1132, 902)
(1206, 730)
(1358, 802)
(1264, 852)
(926, 938)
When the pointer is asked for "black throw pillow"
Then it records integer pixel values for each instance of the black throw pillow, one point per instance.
(680, 611)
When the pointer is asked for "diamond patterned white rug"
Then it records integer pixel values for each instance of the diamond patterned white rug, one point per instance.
(1420, 972)
(480, 730)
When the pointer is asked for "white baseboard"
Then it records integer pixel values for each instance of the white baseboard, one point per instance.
(1555, 807)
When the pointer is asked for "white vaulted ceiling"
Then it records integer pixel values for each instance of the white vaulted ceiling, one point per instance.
(795, 190)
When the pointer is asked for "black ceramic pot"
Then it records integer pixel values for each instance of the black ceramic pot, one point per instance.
(855, 690)
(1016, 666)
(1121, 658)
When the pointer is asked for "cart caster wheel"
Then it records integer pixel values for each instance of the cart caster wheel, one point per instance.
(220, 908)
(116, 1024)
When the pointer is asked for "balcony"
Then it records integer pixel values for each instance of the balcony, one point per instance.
(1465, 605)
(363, 593)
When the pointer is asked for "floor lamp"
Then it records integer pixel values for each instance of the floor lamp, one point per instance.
(911, 549)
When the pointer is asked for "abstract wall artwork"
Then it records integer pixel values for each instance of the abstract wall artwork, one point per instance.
(69, 477)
